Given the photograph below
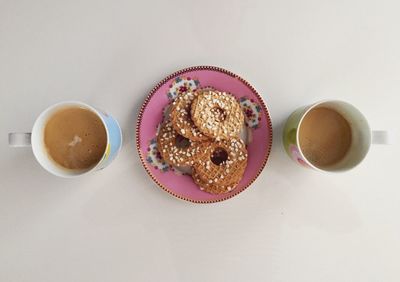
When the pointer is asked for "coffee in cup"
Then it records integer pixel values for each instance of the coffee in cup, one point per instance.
(75, 138)
(72, 138)
(329, 136)
(324, 136)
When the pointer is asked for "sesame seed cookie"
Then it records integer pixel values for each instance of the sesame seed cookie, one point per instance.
(214, 188)
(180, 117)
(221, 167)
(217, 114)
(175, 149)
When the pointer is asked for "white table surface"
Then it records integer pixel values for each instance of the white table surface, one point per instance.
(293, 224)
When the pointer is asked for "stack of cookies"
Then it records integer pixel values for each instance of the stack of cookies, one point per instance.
(202, 132)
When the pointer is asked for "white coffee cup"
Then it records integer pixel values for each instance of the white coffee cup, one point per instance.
(36, 140)
(361, 134)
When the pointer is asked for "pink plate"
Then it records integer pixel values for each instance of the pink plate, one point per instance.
(258, 128)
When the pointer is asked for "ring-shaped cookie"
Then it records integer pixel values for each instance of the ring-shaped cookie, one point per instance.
(175, 149)
(217, 114)
(181, 118)
(221, 165)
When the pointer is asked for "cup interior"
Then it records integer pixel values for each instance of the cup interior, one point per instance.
(360, 135)
(39, 148)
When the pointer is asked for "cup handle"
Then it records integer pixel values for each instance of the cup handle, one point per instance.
(382, 137)
(19, 139)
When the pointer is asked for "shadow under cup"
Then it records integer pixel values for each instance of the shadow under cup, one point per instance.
(360, 136)
(40, 150)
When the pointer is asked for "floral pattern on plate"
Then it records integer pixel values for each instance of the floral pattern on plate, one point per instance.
(181, 85)
(154, 157)
(252, 112)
